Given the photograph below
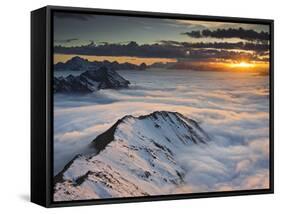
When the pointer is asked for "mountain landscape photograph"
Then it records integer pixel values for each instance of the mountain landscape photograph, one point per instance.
(151, 107)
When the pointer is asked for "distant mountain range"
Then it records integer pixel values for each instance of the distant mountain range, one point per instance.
(137, 156)
(80, 64)
(90, 81)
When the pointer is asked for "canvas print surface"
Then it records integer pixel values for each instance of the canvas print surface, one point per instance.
(150, 106)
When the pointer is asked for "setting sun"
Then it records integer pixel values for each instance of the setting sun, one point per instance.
(242, 65)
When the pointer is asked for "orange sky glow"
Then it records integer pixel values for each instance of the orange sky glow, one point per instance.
(119, 59)
(213, 65)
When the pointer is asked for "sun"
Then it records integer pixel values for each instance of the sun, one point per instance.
(242, 65)
(245, 65)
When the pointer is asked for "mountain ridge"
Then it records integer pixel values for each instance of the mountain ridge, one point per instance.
(136, 156)
(90, 81)
(106, 137)
(77, 63)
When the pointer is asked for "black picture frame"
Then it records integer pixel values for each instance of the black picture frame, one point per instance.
(42, 105)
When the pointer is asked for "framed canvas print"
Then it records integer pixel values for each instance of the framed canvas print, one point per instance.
(137, 106)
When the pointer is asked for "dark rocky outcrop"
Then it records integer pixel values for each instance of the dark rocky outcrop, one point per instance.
(90, 81)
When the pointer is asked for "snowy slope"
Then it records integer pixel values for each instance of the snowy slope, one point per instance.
(135, 157)
(89, 81)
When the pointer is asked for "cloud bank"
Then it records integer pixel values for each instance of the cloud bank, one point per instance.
(232, 108)
(250, 35)
(173, 49)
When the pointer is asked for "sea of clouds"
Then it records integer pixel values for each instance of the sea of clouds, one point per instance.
(233, 108)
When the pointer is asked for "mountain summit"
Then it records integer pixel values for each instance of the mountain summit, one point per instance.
(154, 125)
(89, 81)
(136, 156)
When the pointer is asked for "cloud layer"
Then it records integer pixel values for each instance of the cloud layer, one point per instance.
(232, 108)
(250, 35)
(173, 49)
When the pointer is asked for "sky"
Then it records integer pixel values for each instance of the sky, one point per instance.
(198, 44)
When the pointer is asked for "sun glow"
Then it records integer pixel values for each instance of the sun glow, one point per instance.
(119, 59)
(242, 65)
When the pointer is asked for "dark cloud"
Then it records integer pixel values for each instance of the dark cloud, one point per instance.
(130, 49)
(66, 40)
(172, 49)
(250, 35)
(257, 47)
(76, 16)
(194, 34)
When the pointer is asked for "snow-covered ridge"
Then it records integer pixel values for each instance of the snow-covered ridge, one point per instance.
(186, 130)
(135, 157)
(89, 81)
